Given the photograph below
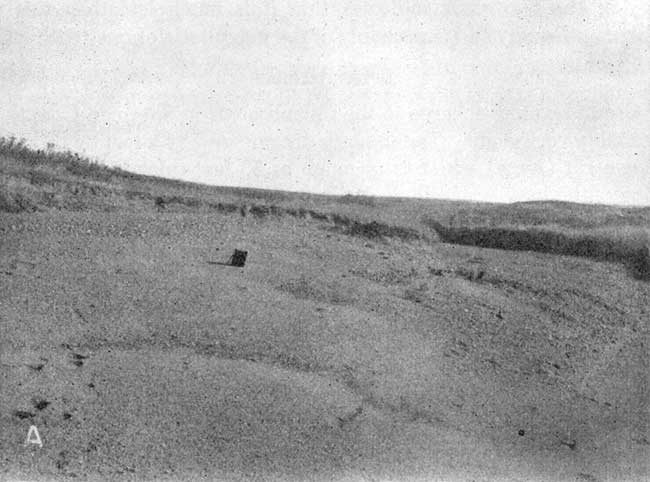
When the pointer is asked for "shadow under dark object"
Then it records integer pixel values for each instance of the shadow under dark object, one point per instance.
(238, 259)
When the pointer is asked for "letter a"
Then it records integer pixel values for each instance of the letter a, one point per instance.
(33, 437)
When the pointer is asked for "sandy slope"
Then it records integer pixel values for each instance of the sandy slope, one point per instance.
(326, 358)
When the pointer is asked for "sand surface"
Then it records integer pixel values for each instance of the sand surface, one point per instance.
(139, 357)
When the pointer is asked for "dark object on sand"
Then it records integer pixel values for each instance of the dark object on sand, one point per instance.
(21, 414)
(238, 258)
(571, 444)
(40, 403)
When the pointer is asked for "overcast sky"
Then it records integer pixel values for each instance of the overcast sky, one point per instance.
(487, 100)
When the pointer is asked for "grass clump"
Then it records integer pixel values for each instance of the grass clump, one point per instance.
(188, 201)
(380, 231)
(15, 202)
(227, 208)
(639, 263)
(340, 220)
(470, 274)
(318, 216)
(259, 211)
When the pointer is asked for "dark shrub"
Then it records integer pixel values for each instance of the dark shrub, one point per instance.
(340, 220)
(276, 210)
(224, 207)
(318, 216)
(640, 263)
(437, 271)
(376, 230)
(259, 211)
(184, 201)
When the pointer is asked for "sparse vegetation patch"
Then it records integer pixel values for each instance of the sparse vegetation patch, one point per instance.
(190, 202)
(317, 216)
(368, 201)
(340, 220)
(224, 207)
(15, 202)
(379, 231)
(416, 294)
(325, 292)
(628, 246)
(470, 274)
(259, 211)
(390, 277)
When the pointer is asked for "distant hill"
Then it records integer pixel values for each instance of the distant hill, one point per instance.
(35, 180)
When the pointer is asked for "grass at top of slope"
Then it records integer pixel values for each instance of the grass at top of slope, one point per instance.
(628, 245)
